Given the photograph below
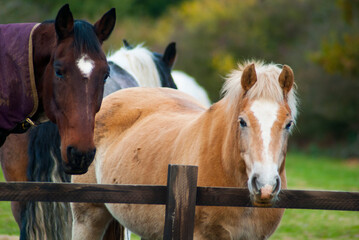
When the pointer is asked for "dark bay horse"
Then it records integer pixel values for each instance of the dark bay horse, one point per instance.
(43, 159)
(66, 72)
(66, 69)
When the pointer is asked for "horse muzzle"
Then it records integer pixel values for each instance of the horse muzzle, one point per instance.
(264, 195)
(78, 161)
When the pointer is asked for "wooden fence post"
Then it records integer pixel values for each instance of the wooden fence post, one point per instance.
(181, 202)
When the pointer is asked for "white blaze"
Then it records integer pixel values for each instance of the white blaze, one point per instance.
(85, 64)
(266, 114)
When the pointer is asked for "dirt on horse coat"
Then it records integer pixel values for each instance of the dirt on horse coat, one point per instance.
(240, 141)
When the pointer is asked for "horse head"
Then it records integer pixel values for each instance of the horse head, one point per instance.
(73, 85)
(266, 116)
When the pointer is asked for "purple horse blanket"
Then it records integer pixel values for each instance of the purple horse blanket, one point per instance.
(18, 96)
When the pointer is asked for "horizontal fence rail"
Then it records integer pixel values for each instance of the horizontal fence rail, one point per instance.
(294, 199)
(146, 194)
(74, 192)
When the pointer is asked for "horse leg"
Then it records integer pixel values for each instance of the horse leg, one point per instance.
(14, 162)
(89, 221)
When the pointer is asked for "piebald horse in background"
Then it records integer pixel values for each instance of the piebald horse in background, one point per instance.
(68, 69)
(150, 69)
(183, 81)
(129, 67)
(240, 141)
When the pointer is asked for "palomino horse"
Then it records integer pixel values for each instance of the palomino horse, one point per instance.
(66, 72)
(240, 141)
(39, 219)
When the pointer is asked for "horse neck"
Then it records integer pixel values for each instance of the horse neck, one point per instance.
(221, 147)
(44, 40)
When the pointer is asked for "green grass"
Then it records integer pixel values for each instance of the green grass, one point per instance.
(7, 223)
(303, 172)
(319, 173)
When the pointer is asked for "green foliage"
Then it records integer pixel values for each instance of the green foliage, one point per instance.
(8, 225)
(151, 8)
(39, 10)
(350, 9)
(339, 51)
(340, 55)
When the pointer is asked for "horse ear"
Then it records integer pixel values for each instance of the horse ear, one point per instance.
(169, 56)
(249, 77)
(126, 44)
(105, 25)
(64, 22)
(286, 79)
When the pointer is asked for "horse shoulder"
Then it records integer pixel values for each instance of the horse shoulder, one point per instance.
(119, 111)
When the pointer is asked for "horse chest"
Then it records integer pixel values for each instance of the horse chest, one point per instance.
(236, 224)
(256, 223)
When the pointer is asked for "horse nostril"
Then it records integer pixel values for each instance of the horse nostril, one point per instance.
(79, 158)
(78, 161)
(70, 152)
(277, 185)
(254, 184)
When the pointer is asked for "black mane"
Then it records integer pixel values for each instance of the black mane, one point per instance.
(85, 37)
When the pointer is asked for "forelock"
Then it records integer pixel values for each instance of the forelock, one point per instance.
(267, 86)
(85, 38)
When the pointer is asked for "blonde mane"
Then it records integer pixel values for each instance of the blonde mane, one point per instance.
(266, 87)
(139, 63)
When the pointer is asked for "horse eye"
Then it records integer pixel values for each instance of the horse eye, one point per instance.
(105, 77)
(242, 123)
(287, 127)
(58, 73)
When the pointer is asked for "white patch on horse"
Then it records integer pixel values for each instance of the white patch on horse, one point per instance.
(139, 63)
(266, 114)
(189, 85)
(86, 65)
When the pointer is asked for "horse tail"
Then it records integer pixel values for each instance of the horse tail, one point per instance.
(50, 220)
(45, 220)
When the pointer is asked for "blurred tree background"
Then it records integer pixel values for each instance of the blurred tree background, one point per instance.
(318, 39)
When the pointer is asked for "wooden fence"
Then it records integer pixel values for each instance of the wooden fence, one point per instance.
(181, 195)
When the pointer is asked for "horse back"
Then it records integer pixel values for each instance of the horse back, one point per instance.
(122, 109)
